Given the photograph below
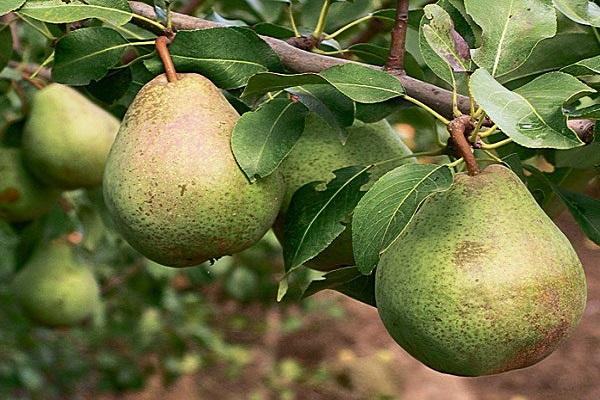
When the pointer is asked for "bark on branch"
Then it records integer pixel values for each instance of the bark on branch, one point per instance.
(395, 62)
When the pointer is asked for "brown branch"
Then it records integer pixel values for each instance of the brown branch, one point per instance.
(302, 61)
(163, 52)
(459, 129)
(191, 6)
(395, 61)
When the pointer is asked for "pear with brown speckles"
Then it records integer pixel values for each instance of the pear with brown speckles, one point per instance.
(171, 181)
(481, 281)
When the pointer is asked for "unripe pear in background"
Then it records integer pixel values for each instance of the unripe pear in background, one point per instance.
(172, 184)
(67, 138)
(481, 281)
(319, 151)
(22, 197)
(54, 288)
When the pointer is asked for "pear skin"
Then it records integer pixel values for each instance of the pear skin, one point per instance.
(172, 184)
(481, 281)
(54, 289)
(319, 151)
(22, 197)
(67, 138)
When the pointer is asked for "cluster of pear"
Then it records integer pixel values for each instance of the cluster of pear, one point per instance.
(178, 196)
(65, 144)
(480, 282)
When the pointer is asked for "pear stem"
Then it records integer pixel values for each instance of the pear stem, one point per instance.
(163, 52)
(457, 128)
(36, 83)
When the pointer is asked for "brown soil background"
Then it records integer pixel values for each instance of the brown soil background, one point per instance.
(366, 364)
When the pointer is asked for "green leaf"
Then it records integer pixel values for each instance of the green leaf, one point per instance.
(581, 158)
(447, 43)
(87, 54)
(276, 31)
(56, 11)
(589, 66)
(227, 56)
(335, 108)
(349, 281)
(581, 11)
(511, 29)
(263, 138)
(513, 162)
(388, 207)
(376, 112)
(579, 39)
(363, 84)
(585, 210)
(264, 82)
(435, 62)
(6, 45)
(591, 112)
(315, 216)
(10, 5)
(532, 115)
(359, 83)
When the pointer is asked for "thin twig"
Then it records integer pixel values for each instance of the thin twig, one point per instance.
(395, 60)
(163, 52)
(43, 73)
(36, 83)
(459, 128)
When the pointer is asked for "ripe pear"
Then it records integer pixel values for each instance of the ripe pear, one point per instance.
(67, 138)
(55, 289)
(481, 281)
(22, 197)
(172, 183)
(319, 151)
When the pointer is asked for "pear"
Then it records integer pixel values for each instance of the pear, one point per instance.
(481, 281)
(67, 138)
(55, 289)
(172, 184)
(319, 151)
(22, 197)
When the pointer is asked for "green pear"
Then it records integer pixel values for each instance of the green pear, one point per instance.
(481, 281)
(172, 184)
(67, 138)
(55, 289)
(319, 151)
(22, 197)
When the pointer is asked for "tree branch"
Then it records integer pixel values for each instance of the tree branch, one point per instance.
(395, 61)
(302, 61)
